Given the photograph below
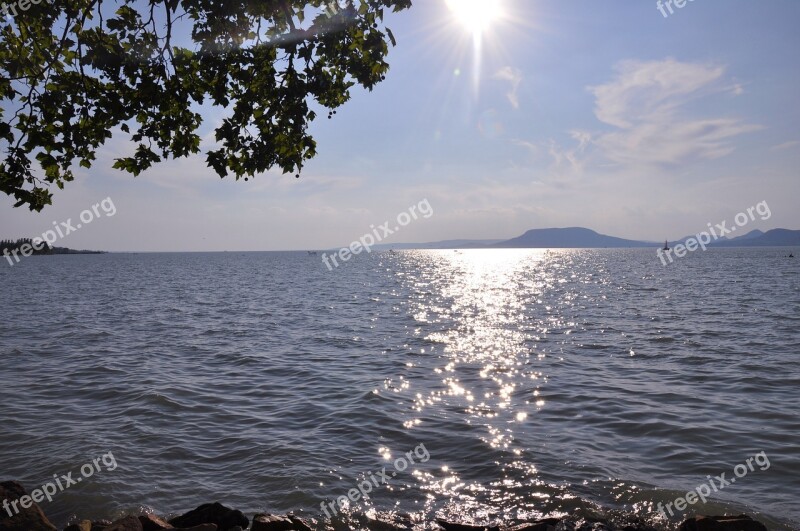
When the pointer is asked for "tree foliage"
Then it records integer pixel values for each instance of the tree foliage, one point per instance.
(13, 246)
(74, 71)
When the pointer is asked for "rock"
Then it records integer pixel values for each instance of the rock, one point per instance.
(722, 523)
(271, 522)
(449, 526)
(17, 518)
(204, 527)
(151, 522)
(99, 525)
(83, 525)
(381, 525)
(635, 524)
(548, 524)
(386, 522)
(212, 513)
(299, 523)
(129, 523)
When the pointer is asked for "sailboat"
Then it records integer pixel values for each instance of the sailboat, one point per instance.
(666, 246)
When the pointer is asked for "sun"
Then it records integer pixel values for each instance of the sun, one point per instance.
(475, 15)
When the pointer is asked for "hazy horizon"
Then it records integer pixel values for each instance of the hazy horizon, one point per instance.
(621, 120)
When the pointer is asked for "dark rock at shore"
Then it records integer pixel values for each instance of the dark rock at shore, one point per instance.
(212, 513)
(89, 525)
(30, 519)
(699, 523)
(451, 526)
(596, 526)
(151, 522)
(217, 517)
(129, 523)
(299, 524)
(548, 524)
(271, 522)
(385, 522)
(722, 523)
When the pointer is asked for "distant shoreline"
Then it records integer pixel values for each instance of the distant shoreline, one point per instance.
(414, 248)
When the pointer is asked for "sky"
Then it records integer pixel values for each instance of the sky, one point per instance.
(558, 113)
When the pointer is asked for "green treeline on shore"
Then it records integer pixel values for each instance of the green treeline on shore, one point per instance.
(11, 246)
(25, 247)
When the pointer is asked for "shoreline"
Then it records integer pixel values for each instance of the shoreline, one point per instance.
(217, 517)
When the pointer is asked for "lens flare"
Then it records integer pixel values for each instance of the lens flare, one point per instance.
(475, 15)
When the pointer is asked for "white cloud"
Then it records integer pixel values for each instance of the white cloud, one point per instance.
(737, 90)
(643, 89)
(647, 104)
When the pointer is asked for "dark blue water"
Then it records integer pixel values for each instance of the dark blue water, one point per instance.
(536, 382)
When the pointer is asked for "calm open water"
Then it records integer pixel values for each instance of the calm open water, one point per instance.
(538, 382)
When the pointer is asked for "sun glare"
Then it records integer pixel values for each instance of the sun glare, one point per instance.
(475, 15)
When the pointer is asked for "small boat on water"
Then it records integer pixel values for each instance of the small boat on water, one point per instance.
(666, 246)
(312, 253)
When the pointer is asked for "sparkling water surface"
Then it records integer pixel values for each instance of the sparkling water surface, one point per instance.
(530, 382)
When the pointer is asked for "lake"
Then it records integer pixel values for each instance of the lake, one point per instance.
(536, 382)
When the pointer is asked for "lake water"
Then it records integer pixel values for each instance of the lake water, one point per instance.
(537, 382)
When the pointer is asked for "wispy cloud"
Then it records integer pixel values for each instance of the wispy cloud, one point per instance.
(513, 76)
(785, 145)
(648, 104)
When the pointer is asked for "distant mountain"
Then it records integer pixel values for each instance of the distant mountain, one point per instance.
(579, 237)
(749, 236)
(568, 238)
(772, 238)
(745, 240)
